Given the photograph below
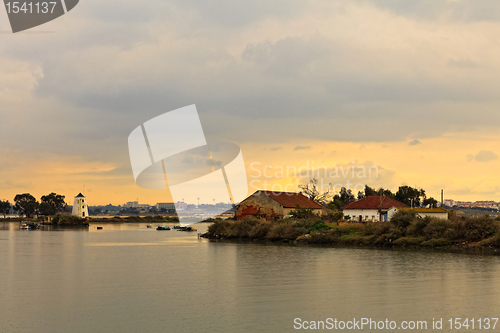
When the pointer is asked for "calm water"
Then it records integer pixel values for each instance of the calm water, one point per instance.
(127, 278)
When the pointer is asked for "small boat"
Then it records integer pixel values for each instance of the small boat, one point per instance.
(149, 226)
(163, 228)
(24, 226)
(177, 227)
(99, 228)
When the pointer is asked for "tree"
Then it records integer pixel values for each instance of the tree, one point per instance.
(344, 196)
(4, 207)
(370, 191)
(26, 204)
(46, 209)
(52, 203)
(311, 191)
(410, 196)
(431, 202)
(336, 216)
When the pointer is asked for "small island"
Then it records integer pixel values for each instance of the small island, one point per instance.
(406, 230)
(370, 221)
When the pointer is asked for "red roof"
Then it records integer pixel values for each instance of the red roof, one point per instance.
(292, 199)
(373, 202)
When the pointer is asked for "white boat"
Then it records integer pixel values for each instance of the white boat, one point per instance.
(24, 226)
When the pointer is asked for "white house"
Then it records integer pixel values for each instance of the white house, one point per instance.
(370, 209)
(440, 213)
(80, 206)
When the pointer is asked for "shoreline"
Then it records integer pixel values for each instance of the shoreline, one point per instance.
(476, 250)
(405, 231)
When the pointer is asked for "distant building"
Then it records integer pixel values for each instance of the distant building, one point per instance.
(180, 205)
(440, 213)
(165, 205)
(132, 204)
(449, 202)
(370, 209)
(80, 207)
(270, 204)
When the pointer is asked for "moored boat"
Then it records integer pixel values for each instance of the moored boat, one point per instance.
(162, 228)
(28, 225)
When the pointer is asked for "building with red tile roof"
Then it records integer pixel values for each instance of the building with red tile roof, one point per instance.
(272, 204)
(370, 209)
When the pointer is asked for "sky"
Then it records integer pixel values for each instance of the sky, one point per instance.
(410, 89)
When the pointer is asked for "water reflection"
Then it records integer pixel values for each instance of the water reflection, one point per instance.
(130, 278)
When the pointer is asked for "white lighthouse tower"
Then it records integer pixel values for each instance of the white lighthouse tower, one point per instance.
(80, 206)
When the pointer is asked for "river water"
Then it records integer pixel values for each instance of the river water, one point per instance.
(128, 278)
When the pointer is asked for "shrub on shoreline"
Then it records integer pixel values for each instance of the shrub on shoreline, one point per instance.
(407, 230)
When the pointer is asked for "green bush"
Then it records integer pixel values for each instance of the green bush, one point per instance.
(284, 232)
(493, 241)
(319, 225)
(243, 228)
(260, 231)
(66, 218)
(377, 228)
(417, 226)
(478, 228)
(219, 228)
(436, 228)
(307, 223)
(403, 218)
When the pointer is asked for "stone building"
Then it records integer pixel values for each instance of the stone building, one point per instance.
(271, 204)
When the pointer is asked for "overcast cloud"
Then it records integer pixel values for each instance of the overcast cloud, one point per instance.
(257, 71)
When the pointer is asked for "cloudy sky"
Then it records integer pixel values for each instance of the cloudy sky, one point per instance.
(410, 88)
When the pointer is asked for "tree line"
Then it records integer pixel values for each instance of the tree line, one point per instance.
(26, 204)
(413, 197)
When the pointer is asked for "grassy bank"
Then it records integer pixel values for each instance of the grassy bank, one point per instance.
(406, 229)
